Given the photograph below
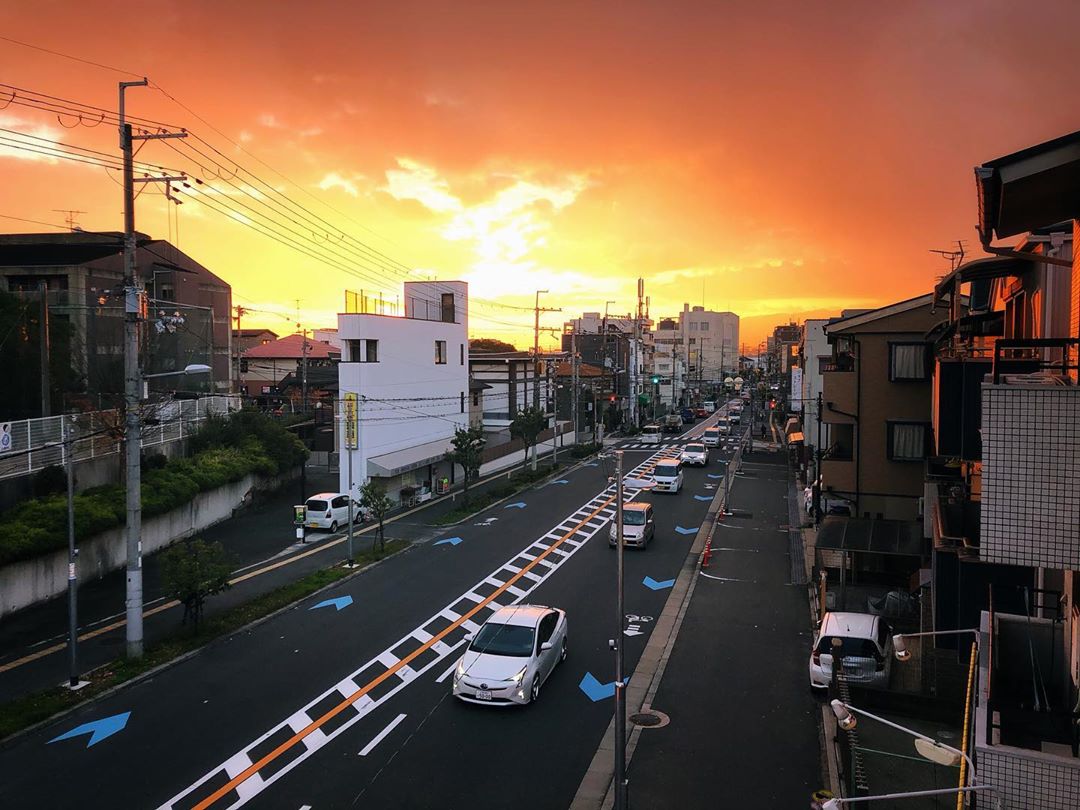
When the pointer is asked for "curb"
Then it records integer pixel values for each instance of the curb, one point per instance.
(150, 673)
(595, 789)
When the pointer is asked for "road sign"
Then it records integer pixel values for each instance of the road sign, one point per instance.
(351, 431)
(5, 437)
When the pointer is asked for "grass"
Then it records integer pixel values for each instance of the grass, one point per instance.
(23, 712)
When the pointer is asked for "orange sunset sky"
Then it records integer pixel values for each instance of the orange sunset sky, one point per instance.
(778, 159)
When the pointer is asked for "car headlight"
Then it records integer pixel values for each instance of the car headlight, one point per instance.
(518, 678)
(460, 671)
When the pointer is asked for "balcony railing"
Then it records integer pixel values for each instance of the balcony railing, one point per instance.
(1033, 356)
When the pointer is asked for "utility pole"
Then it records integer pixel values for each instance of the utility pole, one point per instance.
(303, 374)
(620, 686)
(536, 346)
(73, 554)
(241, 311)
(603, 350)
(134, 314)
(638, 359)
(43, 342)
(574, 380)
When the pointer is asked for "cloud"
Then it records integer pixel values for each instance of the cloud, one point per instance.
(335, 180)
(414, 181)
(270, 121)
(245, 136)
(311, 132)
(436, 99)
(30, 135)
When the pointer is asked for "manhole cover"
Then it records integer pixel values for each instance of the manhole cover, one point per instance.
(650, 719)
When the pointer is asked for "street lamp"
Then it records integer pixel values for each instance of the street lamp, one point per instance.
(928, 747)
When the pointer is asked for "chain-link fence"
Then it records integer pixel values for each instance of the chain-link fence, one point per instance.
(29, 445)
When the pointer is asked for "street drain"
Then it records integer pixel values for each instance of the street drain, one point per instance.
(650, 719)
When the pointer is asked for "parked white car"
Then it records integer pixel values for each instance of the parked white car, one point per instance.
(511, 655)
(861, 640)
(696, 455)
(329, 510)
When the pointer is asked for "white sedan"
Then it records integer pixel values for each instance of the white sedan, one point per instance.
(696, 455)
(511, 655)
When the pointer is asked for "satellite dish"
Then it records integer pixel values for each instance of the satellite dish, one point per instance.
(936, 752)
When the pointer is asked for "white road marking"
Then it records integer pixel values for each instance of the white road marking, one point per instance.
(367, 749)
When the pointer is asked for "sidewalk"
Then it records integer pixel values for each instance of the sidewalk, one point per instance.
(261, 537)
(743, 725)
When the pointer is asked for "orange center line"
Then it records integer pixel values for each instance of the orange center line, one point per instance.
(246, 774)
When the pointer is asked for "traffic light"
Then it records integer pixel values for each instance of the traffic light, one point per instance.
(772, 404)
(655, 380)
(611, 398)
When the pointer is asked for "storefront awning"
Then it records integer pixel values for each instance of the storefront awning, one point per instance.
(410, 458)
(871, 536)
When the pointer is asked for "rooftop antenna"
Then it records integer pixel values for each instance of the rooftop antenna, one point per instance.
(955, 257)
(70, 216)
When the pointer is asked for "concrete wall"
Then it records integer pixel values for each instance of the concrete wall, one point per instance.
(25, 583)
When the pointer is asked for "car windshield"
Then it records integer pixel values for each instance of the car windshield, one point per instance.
(633, 517)
(666, 471)
(317, 506)
(504, 639)
(695, 448)
(711, 432)
(848, 647)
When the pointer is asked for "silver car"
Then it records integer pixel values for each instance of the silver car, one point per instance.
(695, 455)
(511, 655)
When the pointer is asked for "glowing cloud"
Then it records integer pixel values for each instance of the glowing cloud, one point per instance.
(415, 181)
(335, 180)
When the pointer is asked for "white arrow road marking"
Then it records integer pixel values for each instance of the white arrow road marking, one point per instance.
(367, 749)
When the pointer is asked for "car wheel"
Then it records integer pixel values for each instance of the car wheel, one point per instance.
(333, 526)
(534, 691)
(562, 655)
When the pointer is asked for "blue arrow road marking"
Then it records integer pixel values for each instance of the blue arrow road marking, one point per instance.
(339, 603)
(592, 464)
(710, 475)
(681, 530)
(518, 505)
(561, 481)
(451, 540)
(98, 729)
(703, 497)
(595, 690)
(652, 584)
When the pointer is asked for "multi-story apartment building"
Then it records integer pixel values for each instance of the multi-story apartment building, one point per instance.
(876, 408)
(406, 379)
(814, 356)
(710, 343)
(669, 364)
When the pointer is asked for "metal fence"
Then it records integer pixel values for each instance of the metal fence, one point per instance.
(29, 445)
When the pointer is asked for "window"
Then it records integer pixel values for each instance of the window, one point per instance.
(340, 502)
(447, 300)
(354, 348)
(440, 352)
(461, 349)
(463, 402)
(841, 442)
(704, 326)
(907, 441)
(693, 326)
(363, 351)
(546, 628)
(476, 399)
(909, 361)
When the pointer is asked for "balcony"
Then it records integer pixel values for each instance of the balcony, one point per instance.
(957, 401)
(1025, 730)
(1031, 458)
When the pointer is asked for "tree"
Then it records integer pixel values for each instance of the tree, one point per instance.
(468, 452)
(374, 499)
(191, 572)
(527, 426)
(490, 345)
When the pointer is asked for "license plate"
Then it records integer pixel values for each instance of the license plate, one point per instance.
(483, 694)
(313, 525)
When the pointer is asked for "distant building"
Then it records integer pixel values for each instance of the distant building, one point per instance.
(244, 339)
(188, 306)
(265, 367)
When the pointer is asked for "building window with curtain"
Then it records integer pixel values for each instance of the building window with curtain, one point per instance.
(440, 352)
(909, 362)
(907, 441)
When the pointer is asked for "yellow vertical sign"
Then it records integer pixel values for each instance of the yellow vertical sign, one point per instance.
(351, 426)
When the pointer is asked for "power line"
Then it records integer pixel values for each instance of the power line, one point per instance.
(63, 55)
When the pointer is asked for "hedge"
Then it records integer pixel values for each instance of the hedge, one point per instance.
(224, 450)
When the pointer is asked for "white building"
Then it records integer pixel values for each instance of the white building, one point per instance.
(669, 364)
(710, 343)
(410, 376)
(813, 350)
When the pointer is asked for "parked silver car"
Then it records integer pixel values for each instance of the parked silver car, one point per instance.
(511, 655)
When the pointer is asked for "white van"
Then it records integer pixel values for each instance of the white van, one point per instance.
(668, 475)
(711, 437)
(650, 434)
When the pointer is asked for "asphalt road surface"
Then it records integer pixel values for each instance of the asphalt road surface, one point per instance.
(332, 707)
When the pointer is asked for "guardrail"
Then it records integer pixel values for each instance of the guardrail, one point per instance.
(30, 445)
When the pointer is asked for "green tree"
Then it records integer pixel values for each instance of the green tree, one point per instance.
(527, 426)
(468, 452)
(193, 571)
(374, 499)
(490, 345)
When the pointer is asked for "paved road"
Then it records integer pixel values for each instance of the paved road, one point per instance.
(744, 726)
(279, 716)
